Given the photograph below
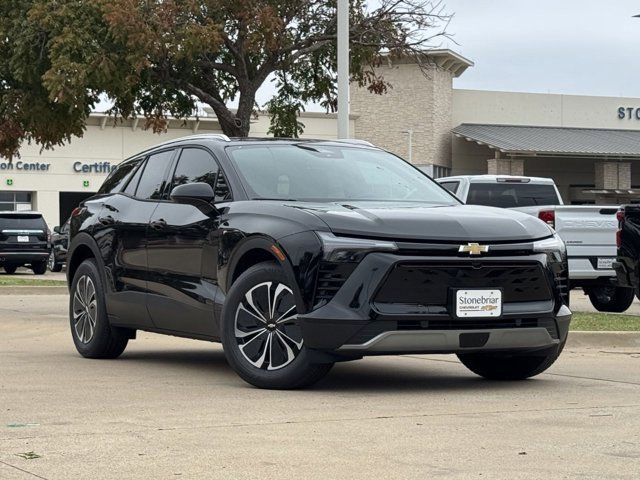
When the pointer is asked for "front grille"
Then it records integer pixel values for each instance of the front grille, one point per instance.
(331, 277)
(431, 283)
(375, 328)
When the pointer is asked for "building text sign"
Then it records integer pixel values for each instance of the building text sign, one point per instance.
(629, 113)
(39, 167)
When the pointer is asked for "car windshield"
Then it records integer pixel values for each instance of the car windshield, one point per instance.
(313, 172)
(507, 195)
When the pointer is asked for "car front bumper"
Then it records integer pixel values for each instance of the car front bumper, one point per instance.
(355, 323)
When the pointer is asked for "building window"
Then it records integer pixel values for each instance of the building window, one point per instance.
(436, 171)
(15, 201)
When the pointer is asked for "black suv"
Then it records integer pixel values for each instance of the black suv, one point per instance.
(23, 241)
(59, 245)
(296, 254)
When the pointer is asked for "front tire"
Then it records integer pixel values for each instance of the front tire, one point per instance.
(506, 366)
(10, 269)
(93, 335)
(611, 299)
(261, 337)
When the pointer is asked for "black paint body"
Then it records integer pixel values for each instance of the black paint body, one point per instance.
(167, 266)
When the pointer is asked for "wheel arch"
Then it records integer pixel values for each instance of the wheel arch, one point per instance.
(82, 248)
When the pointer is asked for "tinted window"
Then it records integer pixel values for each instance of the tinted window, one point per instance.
(130, 189)
(195, 165)
(22, 221)
(330, 173)
(509, 195)
(153, 180)
(118, 177)
(451, 186)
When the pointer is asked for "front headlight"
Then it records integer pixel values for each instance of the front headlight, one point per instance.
(347, 249)
(553, 245)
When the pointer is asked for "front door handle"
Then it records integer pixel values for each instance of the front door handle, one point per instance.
(159, 224)
(108, 220)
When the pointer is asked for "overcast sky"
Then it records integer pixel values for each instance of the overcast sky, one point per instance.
(559, 46)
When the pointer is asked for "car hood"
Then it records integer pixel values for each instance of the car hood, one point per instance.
(464, 223)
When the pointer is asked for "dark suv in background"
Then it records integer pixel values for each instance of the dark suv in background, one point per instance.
(59, 240)
(298, 254)
(23, 241)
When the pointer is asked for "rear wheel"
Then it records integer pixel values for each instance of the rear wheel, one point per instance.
(39, 268)
(611, 299)
(92, 333)
(261, 337)
(506, 366)
(10, 269)
(53, 265)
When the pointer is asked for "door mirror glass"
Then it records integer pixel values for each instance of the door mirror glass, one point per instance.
(193, 193)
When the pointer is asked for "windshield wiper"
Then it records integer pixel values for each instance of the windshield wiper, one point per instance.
(275, 199)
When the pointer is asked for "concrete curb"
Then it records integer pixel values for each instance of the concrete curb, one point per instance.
(603, 340)
(34, 290)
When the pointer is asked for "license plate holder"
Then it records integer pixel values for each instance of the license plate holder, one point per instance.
(605, 263)
(23, 238)
(477, 303)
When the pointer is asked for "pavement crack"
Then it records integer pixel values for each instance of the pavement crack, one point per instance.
(592, 378)
(23, 470)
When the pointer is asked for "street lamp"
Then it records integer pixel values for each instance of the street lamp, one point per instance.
(343, 68)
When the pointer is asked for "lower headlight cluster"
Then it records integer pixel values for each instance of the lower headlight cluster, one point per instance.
(347, 249)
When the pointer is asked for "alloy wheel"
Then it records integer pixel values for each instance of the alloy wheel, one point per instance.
(84, 309)
(52, 260)
(266, 327)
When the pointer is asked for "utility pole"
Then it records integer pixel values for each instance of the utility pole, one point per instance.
(343, 68)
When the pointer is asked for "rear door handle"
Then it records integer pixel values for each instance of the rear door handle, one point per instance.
(159, 224)
(108, 220)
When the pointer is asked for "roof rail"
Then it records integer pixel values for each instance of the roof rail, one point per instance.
(218, 136)
(355, 141)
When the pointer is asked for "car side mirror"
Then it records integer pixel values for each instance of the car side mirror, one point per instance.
(193, 193)
(56, 229)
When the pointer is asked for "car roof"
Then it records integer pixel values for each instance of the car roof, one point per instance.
(21, 212)
(496, 178)
(222, 139)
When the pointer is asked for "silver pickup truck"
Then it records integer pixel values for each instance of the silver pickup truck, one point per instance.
(588, 231)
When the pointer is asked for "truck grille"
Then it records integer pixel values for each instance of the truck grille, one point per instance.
(431, 283)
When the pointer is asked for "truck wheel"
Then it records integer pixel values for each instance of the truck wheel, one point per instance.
(10, 269)
(505, 366)
(260, 333)
(611, 299)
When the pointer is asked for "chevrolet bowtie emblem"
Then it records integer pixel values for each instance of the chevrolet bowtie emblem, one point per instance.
(473, 248)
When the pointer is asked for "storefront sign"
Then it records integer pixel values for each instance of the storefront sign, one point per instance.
(98, 167)
(27, 166)
(38, 167)
(630, 113)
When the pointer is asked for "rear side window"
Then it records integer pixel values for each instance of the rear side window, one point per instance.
(153, 180)
(22, 222)
(510, 195)
(118, 178)
(451, 186)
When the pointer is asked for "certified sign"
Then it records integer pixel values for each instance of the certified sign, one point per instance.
(478, 303)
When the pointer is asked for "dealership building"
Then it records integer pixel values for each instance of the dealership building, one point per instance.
(590, 146)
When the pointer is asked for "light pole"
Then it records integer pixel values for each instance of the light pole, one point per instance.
(343, 68)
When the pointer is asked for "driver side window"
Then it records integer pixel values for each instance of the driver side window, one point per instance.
(198, 165)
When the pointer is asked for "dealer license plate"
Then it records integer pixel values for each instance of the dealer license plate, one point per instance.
(23, 238)
(605, 263)
(478, 303)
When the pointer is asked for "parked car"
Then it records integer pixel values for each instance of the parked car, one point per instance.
(59, 241)
(23, 241)
(299, 254)
(589, 231)
(627, 265)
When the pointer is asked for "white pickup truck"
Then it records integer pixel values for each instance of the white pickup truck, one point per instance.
(589, 231)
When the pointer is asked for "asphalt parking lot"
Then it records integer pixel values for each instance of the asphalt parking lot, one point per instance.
(172, 408)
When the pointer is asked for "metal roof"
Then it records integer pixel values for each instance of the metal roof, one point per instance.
(534, 140)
